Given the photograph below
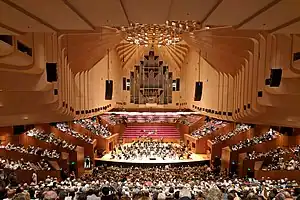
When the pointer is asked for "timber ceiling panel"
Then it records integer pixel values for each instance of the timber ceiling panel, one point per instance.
(20, 21)
(100, 13)
(54, 12)
(290, 29)
(275, 16)
(233, 12)
(147, 12)
(84, 51)
(4, 31)
(193, 10)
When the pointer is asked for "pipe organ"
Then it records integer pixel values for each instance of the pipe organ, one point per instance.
(151, 82)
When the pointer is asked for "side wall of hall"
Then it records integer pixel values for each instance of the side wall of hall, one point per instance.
(217, 91)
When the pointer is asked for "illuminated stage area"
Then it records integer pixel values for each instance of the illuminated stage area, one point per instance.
(194, 158)
(152, 153)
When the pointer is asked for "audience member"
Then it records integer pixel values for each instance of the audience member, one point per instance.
(270, 135)
(23, 165)
(66, 129)
(95, 127)
(32, 150)
(208, 128)
(239, 129)
(163, 182)
(49, 138)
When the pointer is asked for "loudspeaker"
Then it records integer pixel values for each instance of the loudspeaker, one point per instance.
(51, 69)
(108, 89)
(198, 91)
(19, 129)
(174, 85)
(128, 84)
(177, 84)
(124, 83)
(275, 77)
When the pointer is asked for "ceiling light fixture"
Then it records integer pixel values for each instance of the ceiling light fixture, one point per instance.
(163, 34)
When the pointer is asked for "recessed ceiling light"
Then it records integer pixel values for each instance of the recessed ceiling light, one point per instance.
(25, 118)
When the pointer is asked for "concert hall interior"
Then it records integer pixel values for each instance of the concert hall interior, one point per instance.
(159, 99)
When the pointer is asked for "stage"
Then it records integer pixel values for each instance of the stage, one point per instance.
(196, 159)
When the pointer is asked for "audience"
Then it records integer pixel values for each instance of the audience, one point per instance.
(188, 119)
(32, 150)
(146, 183)
(282, 159)
(66, 129)
(167, 182)
(95, 127)
(23, 165)
(262, 155)
(148, 149)
(208, 128)
(270, 135)
(114, 119)
(239, 129)
(50, 138)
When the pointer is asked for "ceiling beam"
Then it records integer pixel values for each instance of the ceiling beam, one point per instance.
(270, 5)
(11, 29)
(71, 7)
(124, 11)
(22, 10)
(211, 11)
(295, 20)
(99, 30)
(169, 10)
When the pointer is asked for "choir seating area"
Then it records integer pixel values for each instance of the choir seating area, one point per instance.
(167, 132)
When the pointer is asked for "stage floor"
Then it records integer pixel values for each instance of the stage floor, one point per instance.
(194, 158)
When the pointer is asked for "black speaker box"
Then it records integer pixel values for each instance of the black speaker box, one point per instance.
(275, 77)
(177, 84)
(108, 89)
(198, 91)
(124, 83)
(128, 87)
(51, 70)
(174, 85)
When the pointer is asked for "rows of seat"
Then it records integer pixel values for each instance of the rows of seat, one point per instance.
(133, 131)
